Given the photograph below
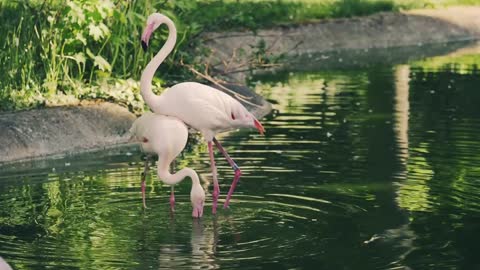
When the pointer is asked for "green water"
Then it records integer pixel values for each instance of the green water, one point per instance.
(361, 168)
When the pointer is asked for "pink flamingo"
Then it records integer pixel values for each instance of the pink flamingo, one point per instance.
(202, 107)
(167, 136)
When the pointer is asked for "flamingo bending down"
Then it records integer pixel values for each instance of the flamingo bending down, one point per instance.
(202, 107)
(167, 136)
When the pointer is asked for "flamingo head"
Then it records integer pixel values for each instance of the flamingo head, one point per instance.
(248, 120)
(197, 196)
(153, 22)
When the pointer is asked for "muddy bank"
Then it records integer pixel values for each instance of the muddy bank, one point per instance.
(383, 30)
(75, 129)
(62, 130)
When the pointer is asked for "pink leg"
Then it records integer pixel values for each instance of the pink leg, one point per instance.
(237, 170)
(144, 176)
(216, 188)
(172, 193)
(143, 194)
(172, 201)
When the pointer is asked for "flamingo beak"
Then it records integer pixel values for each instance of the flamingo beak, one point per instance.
(146, 36)
(259, 126)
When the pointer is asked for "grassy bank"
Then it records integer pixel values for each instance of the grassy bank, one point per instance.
(57, 52)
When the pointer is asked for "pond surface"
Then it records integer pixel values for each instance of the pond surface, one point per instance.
(361, 168)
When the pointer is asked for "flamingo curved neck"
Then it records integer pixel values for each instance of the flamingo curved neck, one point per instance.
(172, 179)
(146, 80)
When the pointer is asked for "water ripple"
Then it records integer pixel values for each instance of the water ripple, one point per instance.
(369, 165)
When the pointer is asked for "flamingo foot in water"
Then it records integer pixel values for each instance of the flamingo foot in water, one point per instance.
(238, 173)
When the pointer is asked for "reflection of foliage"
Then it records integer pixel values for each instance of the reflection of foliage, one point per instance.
(460, 64)
(443, 136)
(413, 193)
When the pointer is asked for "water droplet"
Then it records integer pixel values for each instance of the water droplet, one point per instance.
(329, 134)
(67, 164)
(432, 91)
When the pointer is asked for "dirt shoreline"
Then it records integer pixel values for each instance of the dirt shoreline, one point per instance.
(378, 31)
(62, 130)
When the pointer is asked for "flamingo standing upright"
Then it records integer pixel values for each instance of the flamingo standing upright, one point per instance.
(202, 107)
(166, 136)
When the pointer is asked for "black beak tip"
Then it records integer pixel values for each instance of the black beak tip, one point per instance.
(144, 46)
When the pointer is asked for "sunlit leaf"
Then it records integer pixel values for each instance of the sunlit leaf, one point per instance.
(81, 38)
(50, 19)
(101, 63)
(50, 86)
(104, 28)
(79, 58)
(95, 31)
(76, 13)
(105, 8)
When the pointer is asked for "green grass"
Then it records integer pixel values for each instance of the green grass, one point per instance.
(55, 52)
